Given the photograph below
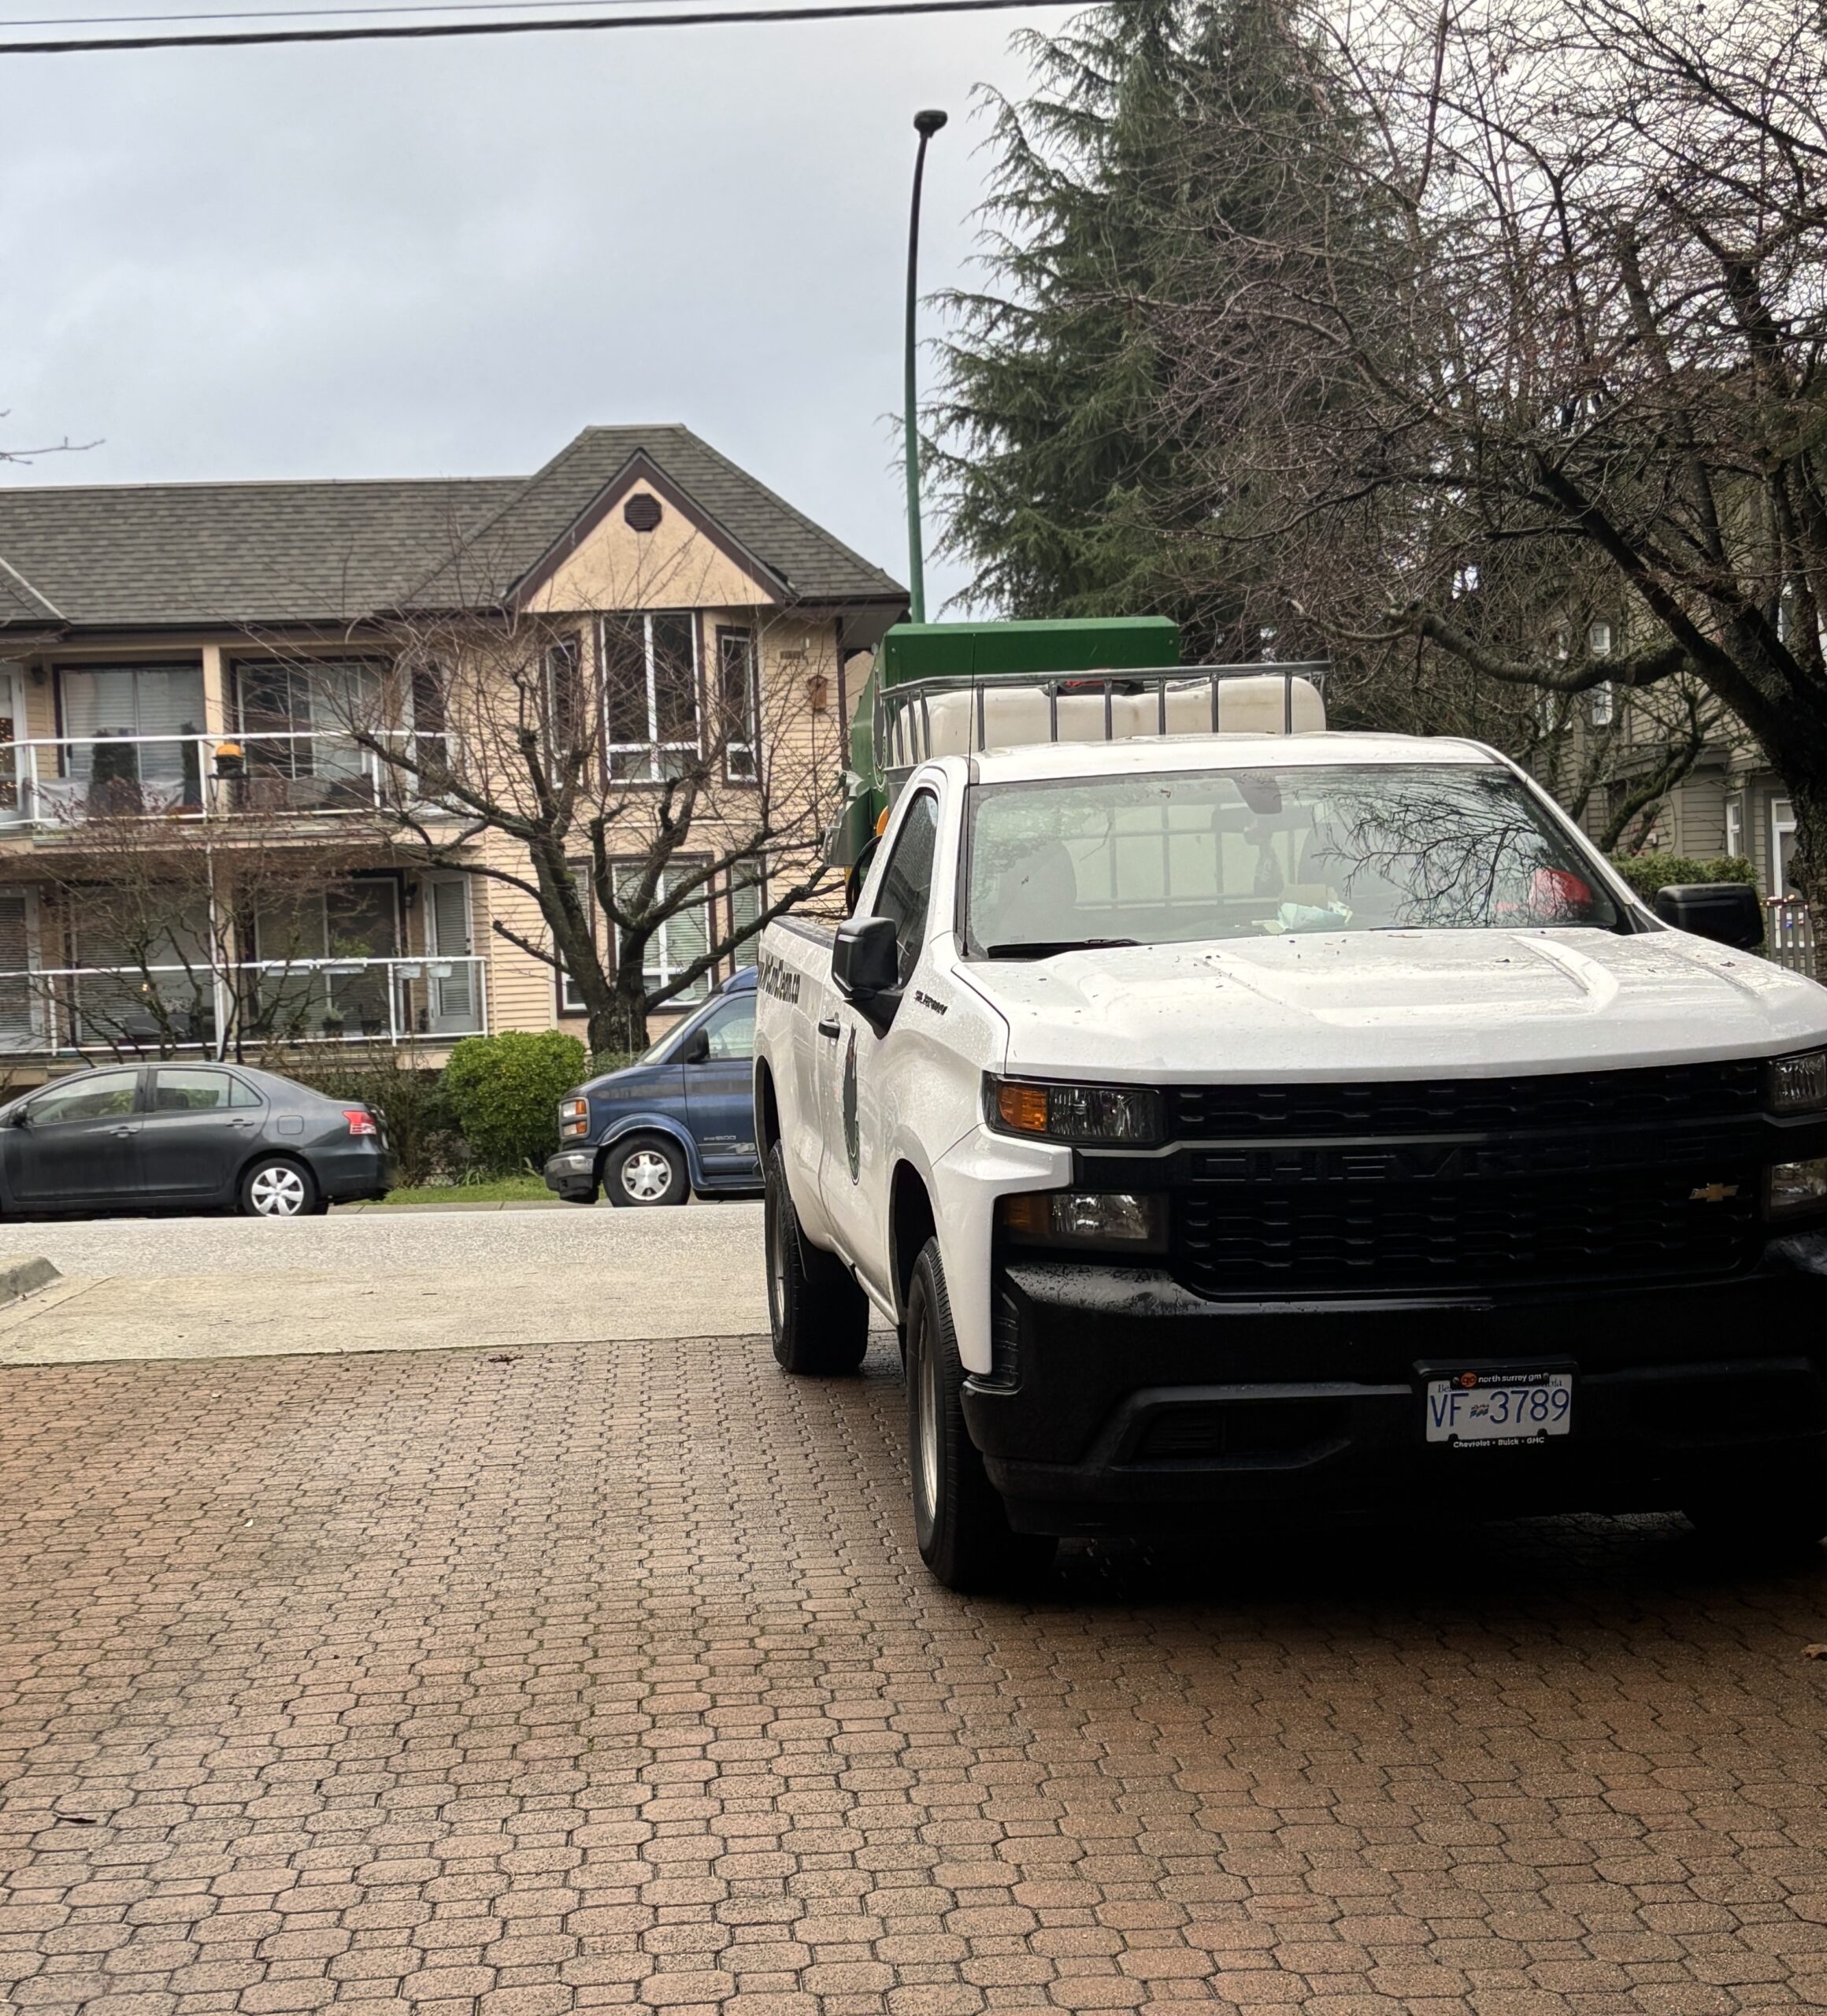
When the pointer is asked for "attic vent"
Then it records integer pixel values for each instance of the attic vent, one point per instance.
(641, 512)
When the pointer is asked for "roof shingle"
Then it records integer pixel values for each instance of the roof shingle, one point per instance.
(123, 556)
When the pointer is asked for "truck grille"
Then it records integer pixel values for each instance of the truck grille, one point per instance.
(1334, 1237)
(1583, 1098)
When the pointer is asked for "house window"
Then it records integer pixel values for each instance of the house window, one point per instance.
(650, 671)
(130, 729)
(565, 724)
(294, 721)
(1598, 640)
(748, 894)
(681, 941)
(1735, 826)
(570, 1001)
(1604, 704)
(736, 686)
(1782, 814)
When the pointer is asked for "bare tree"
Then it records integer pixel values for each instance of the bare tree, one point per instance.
(156, 920)
(636, 767)
(1577, 327)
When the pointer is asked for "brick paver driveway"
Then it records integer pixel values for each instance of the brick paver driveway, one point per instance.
(608, 1675)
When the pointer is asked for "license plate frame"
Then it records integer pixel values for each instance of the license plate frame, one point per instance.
(1496, 1405)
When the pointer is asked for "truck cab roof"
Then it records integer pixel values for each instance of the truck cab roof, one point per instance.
(1034, 762)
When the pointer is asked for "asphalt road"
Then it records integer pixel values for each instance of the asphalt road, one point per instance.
(712, 1238)
(138, 1289)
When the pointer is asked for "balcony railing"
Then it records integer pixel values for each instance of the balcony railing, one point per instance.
(62, 781)
(252, 1007)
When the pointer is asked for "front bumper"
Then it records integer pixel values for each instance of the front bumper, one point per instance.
(1120, 1400)
(571, 1172)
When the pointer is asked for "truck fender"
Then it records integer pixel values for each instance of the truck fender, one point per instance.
(652, 1123)
(965, 1184)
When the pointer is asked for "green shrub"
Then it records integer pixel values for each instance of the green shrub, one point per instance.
(1647, 872)
(421, 1126)
(505, 1090)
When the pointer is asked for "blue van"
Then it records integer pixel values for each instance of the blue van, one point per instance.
(679, 1121)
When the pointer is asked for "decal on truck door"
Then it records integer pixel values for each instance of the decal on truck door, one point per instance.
(852, 1138)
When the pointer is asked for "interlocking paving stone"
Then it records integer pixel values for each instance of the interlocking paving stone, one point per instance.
(428, 1685)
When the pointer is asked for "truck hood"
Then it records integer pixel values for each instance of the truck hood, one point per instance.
(1397, 1004)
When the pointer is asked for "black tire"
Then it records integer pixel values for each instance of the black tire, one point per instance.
(644, 1170)
(276, 1187)
(1788, 1518)
(959, 1522)
(819, 1318)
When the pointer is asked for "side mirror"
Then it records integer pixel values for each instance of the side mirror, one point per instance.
(696, 1049)
(21, 1118)
(1729, 912)
(863, 961)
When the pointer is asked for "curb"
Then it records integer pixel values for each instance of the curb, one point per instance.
(23, 1275)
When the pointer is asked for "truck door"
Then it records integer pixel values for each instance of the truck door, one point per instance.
(856, 1168)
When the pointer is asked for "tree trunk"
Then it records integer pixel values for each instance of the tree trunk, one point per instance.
(619, 1025)
(1808, 796)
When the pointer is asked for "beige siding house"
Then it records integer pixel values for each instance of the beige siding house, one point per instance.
(199, 842)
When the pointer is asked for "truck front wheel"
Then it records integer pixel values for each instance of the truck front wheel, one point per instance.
(819, 1317)
(958, 1520)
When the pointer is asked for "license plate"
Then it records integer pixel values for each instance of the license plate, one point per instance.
(1499, 1407)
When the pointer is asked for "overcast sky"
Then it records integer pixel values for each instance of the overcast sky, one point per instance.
(444, 258)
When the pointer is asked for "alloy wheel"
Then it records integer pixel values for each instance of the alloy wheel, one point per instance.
(277, 1193)
(646, 1176)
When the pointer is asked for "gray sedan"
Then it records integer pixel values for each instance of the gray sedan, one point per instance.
(187, 1137)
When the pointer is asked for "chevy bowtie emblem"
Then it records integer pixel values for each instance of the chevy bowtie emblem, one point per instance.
(1713, 1193)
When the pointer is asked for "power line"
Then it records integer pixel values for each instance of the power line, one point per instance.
(425, 31)
(307, 13)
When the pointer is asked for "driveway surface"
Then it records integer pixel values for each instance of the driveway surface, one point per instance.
(413, 1279)
(506, 1684)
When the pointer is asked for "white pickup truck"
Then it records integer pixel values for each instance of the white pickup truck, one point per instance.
(1295, 1120)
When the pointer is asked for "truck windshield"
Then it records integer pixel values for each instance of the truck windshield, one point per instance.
(1180, 856)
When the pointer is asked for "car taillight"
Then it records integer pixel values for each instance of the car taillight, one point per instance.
(361, 1121)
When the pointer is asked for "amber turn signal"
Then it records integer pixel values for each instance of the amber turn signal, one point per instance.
(1022, 1107)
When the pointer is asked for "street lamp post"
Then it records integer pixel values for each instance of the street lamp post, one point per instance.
(925, 124)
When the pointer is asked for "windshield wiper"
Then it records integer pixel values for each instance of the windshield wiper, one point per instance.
(1045, 948)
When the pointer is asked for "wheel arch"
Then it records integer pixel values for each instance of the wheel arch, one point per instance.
(652, 1123)
(911, 1220)
(767, 1115)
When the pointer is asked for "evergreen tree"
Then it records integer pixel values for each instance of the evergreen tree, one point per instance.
(1161, 137)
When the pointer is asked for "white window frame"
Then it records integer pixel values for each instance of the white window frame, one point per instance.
(652, 747)
(658, 967)
(745, 954)
(1604, 704)
(741, 754)
(570, 1001)
(1735, 825)
(1782, 826)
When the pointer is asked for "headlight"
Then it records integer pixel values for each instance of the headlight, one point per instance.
(1797, 1186)
(573, 1118)
(1799, 1084)
(1099, 1116)
(1081, 1218)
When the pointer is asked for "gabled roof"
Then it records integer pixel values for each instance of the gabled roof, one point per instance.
(203, 554)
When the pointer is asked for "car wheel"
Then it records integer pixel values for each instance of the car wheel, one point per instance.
(277, 1187)
(1789, 1518)
(959, 1522)
(818, 1315)
(646, 1170)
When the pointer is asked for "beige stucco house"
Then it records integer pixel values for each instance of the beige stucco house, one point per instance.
(192, 677)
